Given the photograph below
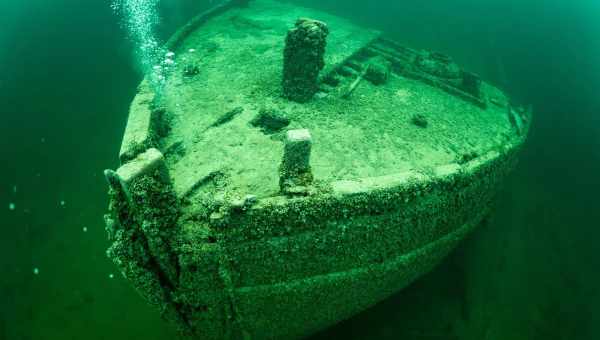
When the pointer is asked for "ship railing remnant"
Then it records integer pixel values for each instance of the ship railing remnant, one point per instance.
(150, 205)
(145, 163)
(405, 62)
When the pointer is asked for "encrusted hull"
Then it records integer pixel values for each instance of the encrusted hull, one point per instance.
(297, 267)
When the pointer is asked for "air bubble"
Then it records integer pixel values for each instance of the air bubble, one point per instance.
(141, 18)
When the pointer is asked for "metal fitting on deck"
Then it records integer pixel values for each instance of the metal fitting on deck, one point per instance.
(295, 172)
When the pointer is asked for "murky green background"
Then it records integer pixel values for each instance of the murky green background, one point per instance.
(67, 75)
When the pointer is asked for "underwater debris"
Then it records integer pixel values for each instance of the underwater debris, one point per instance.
(497, 102)
(420, 120)
(354, 84)
(295, 172)
(347, 71)
(515, 120)
(250, 200)
(11, 206)
(36, 271)
(355, 65)
(245, 203)
(270, 121)
(191, 70)
(332, 80)
(467, 157)
(227, 117)
(84, 229)
(471, 83)
(440, 71)
(438, 65)
(378, 70)
(321, 95)
(304, 59)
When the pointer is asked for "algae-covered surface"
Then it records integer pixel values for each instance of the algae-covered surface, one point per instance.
(531, 273)
(268, 218)
(239, 56)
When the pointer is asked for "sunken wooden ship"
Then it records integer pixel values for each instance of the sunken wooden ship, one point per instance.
(292, 172)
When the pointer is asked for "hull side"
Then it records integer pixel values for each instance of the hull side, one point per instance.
(290, 280)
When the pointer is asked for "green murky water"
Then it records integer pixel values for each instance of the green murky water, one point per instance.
(68, 71)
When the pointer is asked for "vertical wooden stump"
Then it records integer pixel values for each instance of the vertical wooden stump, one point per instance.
(304, 59)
